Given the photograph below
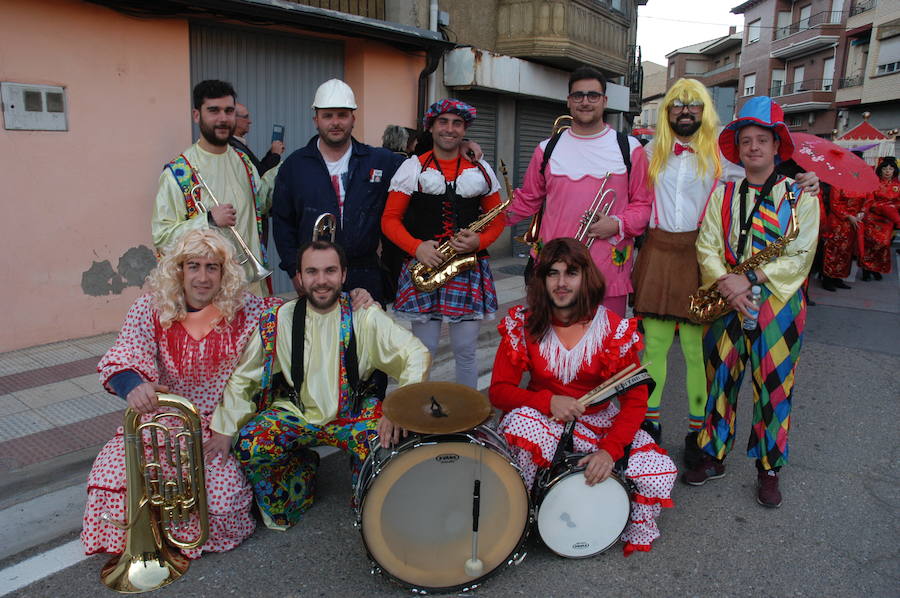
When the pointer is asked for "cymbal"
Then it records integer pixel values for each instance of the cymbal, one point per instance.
(436, 407)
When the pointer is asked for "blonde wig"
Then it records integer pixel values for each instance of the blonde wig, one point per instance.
(705, 140)
(167, 279)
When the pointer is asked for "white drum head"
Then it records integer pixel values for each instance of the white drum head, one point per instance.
(576, 520)
(417, 514)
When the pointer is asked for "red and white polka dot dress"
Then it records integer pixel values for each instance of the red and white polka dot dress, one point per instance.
(197, 371)
(608, 346)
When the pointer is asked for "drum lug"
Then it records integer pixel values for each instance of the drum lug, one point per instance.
(517, 559)
(375, 570)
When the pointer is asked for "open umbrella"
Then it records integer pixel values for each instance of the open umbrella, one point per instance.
(642, 131)
(833, 164)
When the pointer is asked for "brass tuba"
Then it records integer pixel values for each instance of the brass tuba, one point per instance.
(259, 271)
(533, 234)
(708, 304)
(158, 507)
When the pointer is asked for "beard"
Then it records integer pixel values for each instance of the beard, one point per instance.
(323, 304)
(685, 129)
(209, 134)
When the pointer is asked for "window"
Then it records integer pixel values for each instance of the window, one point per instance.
(753, 32)
(783, 29)
(799, 74)
(888, 56)
(828, 74)
(836, 6)
(671, 70)
(750, 84)
(694, 67)
(777, 82)
(805, 13)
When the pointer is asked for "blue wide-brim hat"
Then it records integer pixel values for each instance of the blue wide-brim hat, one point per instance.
(761, 111)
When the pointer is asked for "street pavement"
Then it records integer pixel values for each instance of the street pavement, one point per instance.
(835, 535)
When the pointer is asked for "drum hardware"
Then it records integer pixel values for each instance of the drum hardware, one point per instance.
(437, 407)
(259, 271)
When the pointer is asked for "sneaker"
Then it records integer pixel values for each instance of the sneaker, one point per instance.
(708, 469)
(767, 492)
(693, 456)
(653, 428)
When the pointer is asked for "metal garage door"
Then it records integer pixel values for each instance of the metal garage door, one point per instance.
(275, 75)
(534, 122)
(484, 130)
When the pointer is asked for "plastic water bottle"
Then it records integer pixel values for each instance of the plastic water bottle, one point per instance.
(755, 299)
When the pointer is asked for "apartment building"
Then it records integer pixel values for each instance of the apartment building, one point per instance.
(869, 84)
(654, 88)
(716, 64)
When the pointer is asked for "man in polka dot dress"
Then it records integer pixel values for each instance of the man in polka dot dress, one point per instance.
(569, 343)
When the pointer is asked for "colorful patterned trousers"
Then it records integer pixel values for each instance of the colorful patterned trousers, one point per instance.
(274, 450)
(774, 351)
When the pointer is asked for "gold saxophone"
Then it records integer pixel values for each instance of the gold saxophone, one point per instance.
(708, 305)
(158, 507)
(428, 279)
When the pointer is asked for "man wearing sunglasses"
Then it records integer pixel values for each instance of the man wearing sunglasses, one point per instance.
(567, 172)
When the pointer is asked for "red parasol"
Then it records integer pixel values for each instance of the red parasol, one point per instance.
(642, 131)
(833, 164)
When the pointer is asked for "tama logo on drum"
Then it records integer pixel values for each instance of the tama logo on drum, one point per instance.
(447, 458)
(581, 545)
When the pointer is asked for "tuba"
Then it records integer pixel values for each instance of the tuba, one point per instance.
(532, 235)
(259, 271)
(708, 304)
(157, 505)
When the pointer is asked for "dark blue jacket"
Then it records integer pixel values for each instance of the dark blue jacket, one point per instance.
(303, 192)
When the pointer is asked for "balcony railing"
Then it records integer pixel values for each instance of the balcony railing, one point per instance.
(861, 6)
(721, 69)
(827, 17)
(801, 86)
(850, 81)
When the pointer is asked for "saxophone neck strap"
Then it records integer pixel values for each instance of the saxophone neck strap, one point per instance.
(747, 220)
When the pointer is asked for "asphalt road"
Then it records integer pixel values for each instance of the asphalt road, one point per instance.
(835, 535)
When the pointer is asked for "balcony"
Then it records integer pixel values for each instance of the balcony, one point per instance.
(853, 81)
(861, 6)
(821, 30)
(725, 74)
(564, 34)
(803, 96)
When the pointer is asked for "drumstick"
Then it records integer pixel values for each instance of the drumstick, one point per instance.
(606, 384)
(610, 391)
(474, 567)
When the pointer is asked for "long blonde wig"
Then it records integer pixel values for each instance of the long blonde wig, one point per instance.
(705, 140)
(167, 279)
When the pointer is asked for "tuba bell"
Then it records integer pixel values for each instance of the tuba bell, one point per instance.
(163, 491)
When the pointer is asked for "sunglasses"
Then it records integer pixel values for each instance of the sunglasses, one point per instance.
(678, 106)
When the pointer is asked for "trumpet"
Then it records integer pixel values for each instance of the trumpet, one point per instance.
(158, 506)
(259, 271)
(598, 205)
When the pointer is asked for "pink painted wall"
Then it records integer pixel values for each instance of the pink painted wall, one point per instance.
(385, 81)
(72, 198)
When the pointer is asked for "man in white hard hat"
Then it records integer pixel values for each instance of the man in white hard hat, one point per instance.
(337, 174)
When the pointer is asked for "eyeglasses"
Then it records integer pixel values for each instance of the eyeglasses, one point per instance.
(678, 106)
(592, 96)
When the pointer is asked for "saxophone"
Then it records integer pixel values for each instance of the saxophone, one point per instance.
(428, 279)
(708, 305)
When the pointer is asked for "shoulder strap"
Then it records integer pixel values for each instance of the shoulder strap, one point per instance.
(625, 148)
(268, 332)
(548, 151)
(298, 329)
(187, 181)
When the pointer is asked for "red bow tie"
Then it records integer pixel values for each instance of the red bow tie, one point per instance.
(679, 149)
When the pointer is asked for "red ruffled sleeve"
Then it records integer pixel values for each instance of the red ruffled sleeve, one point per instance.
(510, 363)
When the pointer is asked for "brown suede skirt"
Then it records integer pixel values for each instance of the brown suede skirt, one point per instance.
(665, 275)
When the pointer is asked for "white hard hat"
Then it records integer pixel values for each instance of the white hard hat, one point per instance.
(334, 93)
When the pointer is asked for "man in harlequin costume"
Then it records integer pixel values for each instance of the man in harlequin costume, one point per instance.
(229, 173)
(882, 216)
(186, 336)
(569, 344)
(742, 220)
(566, 172)
(434, 198)
(311, 360)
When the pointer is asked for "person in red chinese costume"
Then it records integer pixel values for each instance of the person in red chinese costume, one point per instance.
(880, 220)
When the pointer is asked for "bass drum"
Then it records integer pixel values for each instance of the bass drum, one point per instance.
(579, 521)
(416, 509)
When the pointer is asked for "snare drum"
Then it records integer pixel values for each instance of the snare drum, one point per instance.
(576, 520)
(415, 505)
